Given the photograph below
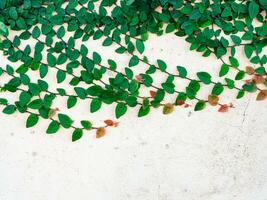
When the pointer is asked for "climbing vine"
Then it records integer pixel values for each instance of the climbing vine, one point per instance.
(40, 37)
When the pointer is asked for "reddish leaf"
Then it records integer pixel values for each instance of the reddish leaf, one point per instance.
(258, 79)
(138, 78)
(152, 93)
(186, 105)
(248, 81)
(180, 102)
(223, 108)
(116, 124)
(109, 122)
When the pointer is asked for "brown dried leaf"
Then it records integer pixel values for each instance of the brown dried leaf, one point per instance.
(52, 112)
(168, 108)
(250, 70)
(100, 132)
(262, 95)
(213, 100)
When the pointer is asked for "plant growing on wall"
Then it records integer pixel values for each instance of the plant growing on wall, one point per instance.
(42, 36)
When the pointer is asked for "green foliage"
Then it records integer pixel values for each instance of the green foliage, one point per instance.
(58, 30)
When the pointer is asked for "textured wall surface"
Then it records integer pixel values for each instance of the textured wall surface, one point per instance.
(186, 155)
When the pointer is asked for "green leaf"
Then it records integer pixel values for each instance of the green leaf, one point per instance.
(230, 83)
(81, 92)
(61, 76)
(112, 64)
(51, 60)
(143, 111)
(36, 32)
(43, 71)
(61, 32)
(253, 9)
(140, 46)
(182, 71)
(34, 88)
(234, 62)
(71, 102)
(65, 120)
(248, 50)
(204, 77)
(24, 98)
(224, 70)
(240, 75)
(107, 42)
(53, 127)
(36, 104)
(77, 134)
(120, 110)
(240, 94)
(62, 58)
(32, 120)
(200, 105)
(95, 105)
(86, 124)
(96, 58)
(162, 65)
(236, 39)
(217, 89)
(9, 109)
(3, 29)
(13, 13)
(133, 61)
